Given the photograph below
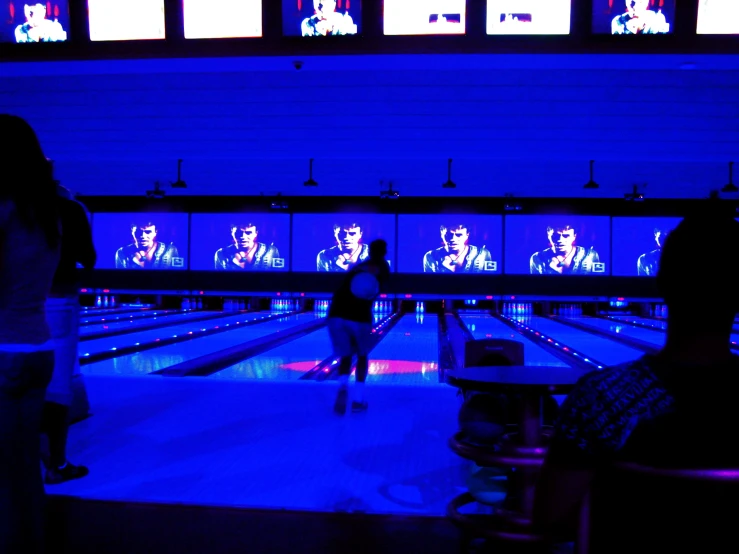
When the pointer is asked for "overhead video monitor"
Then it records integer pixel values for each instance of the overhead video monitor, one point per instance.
(633, 17)
(528, 17)
(450, 243)
(222, 18)
(30, 21)
(112, 20)
(718, 17)
(557, 245)
(337, 242)
(240, 242)
(321, 18)
(140, 240)
(411, 17)
(637, 244)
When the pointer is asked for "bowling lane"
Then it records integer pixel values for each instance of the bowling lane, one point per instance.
(288, 361)
(143, 314)
(104, 344)
(603, 350)
(661, 324)
(133, 324)
(487, 327)
(155, 359)
(656, 337)
(409, 354)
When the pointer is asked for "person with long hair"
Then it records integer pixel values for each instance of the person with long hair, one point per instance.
(29, 254)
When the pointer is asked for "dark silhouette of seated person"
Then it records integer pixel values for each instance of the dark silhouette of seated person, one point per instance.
(675, 408)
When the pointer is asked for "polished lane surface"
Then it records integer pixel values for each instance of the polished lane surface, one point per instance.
(142, 363)
(134, 324)
(487, 327)
(608, 352)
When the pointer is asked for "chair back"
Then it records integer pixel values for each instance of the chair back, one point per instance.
(642, 509)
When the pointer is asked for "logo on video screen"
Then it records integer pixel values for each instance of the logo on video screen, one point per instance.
(491, 266)
(278, 263)
(599, 267)
(178, 262)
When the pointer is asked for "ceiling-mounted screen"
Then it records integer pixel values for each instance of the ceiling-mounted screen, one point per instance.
(718, 17)
(240, 242)
(637, 244)
(528, 17)
(321, 18)
(557, 245)
(112, 20)
(29, 21)
(633, 17)
(222, 18)
(140, 240)
(410, 17)
(444, 243)
(336, 242)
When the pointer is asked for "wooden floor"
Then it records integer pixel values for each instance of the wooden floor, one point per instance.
(266, 445)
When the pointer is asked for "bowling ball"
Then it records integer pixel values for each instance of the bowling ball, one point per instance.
(365, 286)
(482, 417)
(487, 485)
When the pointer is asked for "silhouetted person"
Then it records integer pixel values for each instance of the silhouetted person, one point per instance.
(350, 322)
(63, 312)
(29, 255)
(611, 414)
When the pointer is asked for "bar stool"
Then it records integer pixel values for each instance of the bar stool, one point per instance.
(520, 450)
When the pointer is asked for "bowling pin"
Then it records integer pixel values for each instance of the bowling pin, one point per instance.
(105, 301)
(99, 301)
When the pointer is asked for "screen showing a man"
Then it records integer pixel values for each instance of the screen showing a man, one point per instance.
(637, 244)
(247, 252)
(146, 251)
(35, 22)
(140, 241)
(450, 243)
(633, 17)
(557, 245)
(328, 243)
(321, 18)
(409, 17)
(528, 17)
(718, 17)
(456, 255)
(239, 242)
(348, 251)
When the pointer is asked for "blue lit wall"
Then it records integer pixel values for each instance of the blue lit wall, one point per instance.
(520, 124)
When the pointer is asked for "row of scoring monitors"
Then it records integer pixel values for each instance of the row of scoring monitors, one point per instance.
(120, 20)
(426, 243)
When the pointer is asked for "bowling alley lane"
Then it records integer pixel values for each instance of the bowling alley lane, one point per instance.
(606, 351)
(285, 362)
(145, 362)
(659, 325)
(484, 326)
(409, 354)
(105, 344)
(96, 318)
(133, 324)
(655, 337)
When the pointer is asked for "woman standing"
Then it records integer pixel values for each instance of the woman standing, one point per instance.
(29, 254)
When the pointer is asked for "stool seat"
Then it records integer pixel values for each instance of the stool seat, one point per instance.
(507, 452)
